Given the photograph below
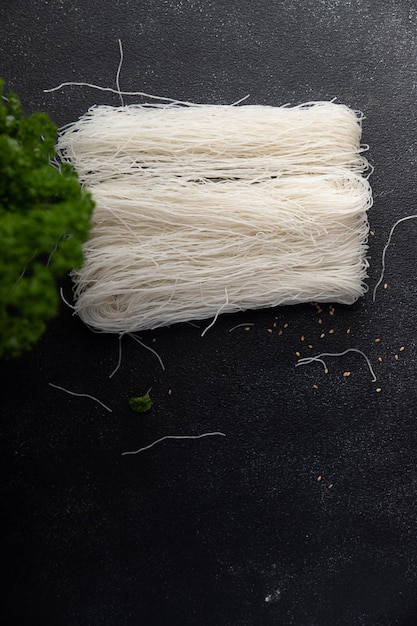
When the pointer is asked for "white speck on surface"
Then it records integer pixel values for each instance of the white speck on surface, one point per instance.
(273, 597)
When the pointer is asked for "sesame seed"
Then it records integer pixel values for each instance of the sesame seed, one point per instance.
(377, 340)
(280, 333)
(297, 354)
(396, 357)
(320, 321)
(331, 331)
(247, 327)
(371, 232)
(274, 325)
(330, 486)
(269, 330)
(385, 285)
(348, 331)
(378, 389)
(322, 335)
(319, 478)
(286, 325)
(326, 371)
(302, 338)
(346, 374)
(402, 349)
(169, 392)
(315, 386)
(310, 346)
(380, 359)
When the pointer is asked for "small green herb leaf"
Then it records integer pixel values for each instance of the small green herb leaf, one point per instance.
(141, 404)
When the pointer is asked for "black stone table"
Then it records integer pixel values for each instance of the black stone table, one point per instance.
(306, 512)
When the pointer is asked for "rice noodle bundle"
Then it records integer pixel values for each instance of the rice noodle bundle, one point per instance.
(202, 209)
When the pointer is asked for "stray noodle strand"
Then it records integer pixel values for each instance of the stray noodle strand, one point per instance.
(310, 359)
(174, 437)
(82, 395)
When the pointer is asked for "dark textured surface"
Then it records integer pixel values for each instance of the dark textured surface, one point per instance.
(239, 530)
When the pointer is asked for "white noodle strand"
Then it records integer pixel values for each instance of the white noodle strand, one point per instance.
(64, 300)
(82, 395)
(173, 437)
(240, 326)
(267, 205)
(384, 252)
(311, 359)
(137, 339)
(119, 69)
(119, 361)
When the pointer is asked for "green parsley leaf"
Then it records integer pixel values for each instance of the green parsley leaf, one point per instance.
(45, 217)
(141, 404)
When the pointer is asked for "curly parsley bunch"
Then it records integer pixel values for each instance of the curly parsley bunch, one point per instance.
(44, 219)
